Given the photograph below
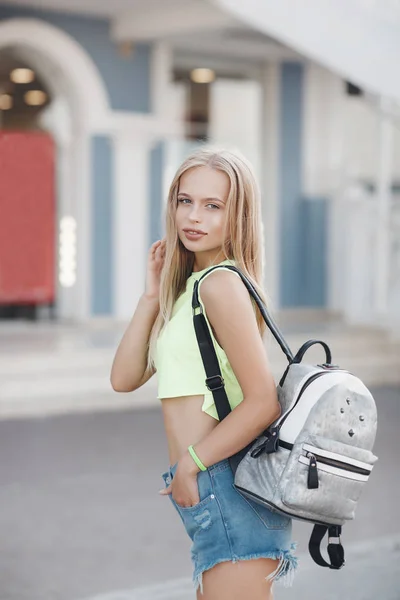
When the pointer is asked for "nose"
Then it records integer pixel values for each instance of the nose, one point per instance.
(194, 214)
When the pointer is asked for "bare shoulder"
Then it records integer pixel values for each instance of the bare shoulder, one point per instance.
(222, 288)
(231, 315)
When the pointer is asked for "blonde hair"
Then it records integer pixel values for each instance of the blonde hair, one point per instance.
(243, 233)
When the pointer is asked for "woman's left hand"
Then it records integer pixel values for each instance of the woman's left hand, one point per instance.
(184, 488)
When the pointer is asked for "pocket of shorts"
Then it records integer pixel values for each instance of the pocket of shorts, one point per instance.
(199, 505)
(207, 497)
(204, 490)
(197, 518)
(269, 518)
(166, 478)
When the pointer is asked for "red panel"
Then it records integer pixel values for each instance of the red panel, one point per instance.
(27, 218)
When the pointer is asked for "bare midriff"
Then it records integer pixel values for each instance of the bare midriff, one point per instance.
(185, 424)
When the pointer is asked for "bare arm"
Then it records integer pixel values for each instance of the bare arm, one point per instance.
(129, 370)
(230, 312)
(231, 315)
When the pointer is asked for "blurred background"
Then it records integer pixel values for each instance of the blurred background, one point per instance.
(99, 104)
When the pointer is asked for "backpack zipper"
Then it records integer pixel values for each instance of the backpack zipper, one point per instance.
(303, 389)
(332, 462)
(270, 445)
(329, 461)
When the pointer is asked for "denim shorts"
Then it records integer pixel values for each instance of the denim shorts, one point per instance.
(226, 526)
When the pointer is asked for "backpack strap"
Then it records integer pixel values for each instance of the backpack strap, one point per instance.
(214, 380)
(335, 548)
(196, 304)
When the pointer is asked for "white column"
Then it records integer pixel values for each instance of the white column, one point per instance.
(66, 296)
(161, 79)
(269, 179)
(384, 194)
(229, 98)
(73, 201)
(323, 165)
(358, 251)
(323, 129)
(131, 219)
(314, 141)
(82, 211)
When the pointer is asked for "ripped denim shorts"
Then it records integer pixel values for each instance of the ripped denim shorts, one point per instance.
(226, 526)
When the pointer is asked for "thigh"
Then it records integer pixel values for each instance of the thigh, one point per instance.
(239, 581)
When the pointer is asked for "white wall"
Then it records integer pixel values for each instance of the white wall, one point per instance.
(323, 136)
(341, 149)
(235, 116)
(340, 135)
(361, 147)
(357, 39)
(361, 133)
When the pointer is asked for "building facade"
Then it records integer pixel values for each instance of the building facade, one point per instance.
(125, 110)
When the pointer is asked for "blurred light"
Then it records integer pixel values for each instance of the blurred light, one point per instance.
(67, 280)
(67, 252)
(22, 75)
(125, 48)
(35, 97)
(202, 75)
(6, 102)
(69, 223)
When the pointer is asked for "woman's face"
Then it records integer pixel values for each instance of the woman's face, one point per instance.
(202, 197)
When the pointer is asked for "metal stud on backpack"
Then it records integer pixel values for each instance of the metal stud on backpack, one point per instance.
(314, 461)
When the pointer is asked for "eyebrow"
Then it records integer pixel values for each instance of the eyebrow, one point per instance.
(204, 199)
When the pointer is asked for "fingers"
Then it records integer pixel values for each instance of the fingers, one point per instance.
(155, 246)
(158, 243)
(166, 491)
(158, 248)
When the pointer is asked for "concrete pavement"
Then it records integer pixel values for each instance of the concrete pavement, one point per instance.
(373, 571)
(50, 368)
(81, 517)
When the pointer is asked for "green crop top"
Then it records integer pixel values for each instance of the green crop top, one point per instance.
(180, 370)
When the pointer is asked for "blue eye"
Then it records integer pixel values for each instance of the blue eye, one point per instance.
(187, 200)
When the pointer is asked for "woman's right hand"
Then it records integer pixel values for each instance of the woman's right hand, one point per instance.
(155, 264)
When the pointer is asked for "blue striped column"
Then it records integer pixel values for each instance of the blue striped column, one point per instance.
(291, 95)
(156, 192)
(102, 185)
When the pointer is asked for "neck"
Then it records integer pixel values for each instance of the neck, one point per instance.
(204, 262)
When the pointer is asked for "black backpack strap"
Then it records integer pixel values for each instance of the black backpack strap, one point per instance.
(335, 548)
(272, 326)
(214, 380)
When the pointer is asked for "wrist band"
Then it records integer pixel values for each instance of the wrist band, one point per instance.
(196, 459)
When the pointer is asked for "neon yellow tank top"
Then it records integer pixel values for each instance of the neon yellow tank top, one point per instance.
(180, 370)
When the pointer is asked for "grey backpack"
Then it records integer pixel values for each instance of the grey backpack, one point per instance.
(314, 461)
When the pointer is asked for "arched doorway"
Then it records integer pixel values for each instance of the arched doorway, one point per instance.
(78, 110)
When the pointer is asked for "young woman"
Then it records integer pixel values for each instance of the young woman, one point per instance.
(213, 217)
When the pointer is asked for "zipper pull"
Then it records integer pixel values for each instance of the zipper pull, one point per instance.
(312, 481)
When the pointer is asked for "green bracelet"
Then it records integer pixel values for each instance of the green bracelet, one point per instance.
(196, 459)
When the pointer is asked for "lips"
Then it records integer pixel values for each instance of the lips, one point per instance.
(193, 234)
(192, 231)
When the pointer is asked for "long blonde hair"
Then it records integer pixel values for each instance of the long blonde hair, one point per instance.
(243, 234)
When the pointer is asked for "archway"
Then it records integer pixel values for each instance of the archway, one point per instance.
(80, 108)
